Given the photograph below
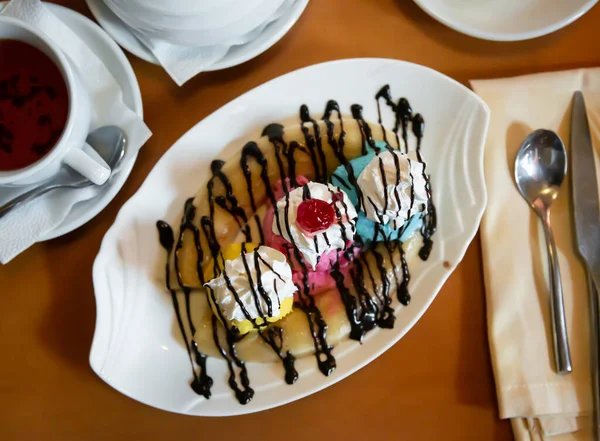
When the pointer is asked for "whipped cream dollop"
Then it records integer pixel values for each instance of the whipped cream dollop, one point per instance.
(393, 188)
(241, 292)
(313, 245)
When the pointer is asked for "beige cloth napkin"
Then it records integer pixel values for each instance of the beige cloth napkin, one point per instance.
(541, 404)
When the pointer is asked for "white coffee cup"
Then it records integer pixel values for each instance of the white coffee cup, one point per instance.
(69, 147)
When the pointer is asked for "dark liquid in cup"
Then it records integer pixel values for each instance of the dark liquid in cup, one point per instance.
(34, 104)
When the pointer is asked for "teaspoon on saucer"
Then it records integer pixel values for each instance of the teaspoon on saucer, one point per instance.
(109, 142)
(540, 168)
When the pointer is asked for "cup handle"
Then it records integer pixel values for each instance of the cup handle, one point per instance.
(94, 169)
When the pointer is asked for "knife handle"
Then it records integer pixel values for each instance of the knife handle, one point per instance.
(559, 324)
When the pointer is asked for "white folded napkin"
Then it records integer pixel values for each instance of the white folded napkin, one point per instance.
(25, 225)
(541, 404)
(185, 62)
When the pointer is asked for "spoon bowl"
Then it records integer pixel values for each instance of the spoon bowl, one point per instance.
(540, 169)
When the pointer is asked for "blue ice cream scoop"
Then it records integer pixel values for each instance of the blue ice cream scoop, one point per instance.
(368, 230)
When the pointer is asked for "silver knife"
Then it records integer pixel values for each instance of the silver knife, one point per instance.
(585, 189)
(587, 228)
(594, 353)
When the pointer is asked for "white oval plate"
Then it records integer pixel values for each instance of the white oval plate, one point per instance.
(236, 55)
(137, 348)
(506, 20)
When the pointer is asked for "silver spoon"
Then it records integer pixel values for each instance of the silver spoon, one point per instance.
(109, 142)
(540, 167)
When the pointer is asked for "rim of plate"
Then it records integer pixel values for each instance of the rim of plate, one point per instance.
(498, 36)
(105, 197)
(99, 270)
(118, 30)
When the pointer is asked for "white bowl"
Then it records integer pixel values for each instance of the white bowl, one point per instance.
(221, 14)
(270, 35)
(226, 25)
(506, 20)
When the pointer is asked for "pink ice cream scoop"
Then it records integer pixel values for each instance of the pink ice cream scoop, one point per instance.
(320, 279)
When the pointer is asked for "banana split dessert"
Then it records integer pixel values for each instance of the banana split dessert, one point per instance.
(301, 240)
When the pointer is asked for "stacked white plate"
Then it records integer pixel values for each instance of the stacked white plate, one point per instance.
(198, 23)
(187, 37)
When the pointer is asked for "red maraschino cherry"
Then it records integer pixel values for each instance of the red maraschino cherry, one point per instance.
(315, 215)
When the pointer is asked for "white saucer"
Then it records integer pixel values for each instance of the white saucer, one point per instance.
(236, 55)
(506, 20)
(116, 62)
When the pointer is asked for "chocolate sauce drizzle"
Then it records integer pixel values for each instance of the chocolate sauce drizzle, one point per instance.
(317, 325)
(364, 310)
(314, 143)
(245, 393)
(273, 336)
(403, 115)
(430, 221)
(201, 382)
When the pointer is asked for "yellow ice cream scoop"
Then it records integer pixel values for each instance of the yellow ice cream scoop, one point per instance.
(242, 286)
(246, 326)
(229, 252)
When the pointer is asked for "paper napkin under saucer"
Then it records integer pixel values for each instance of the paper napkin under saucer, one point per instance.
(185, 62)
(25, 225)
(541, 404)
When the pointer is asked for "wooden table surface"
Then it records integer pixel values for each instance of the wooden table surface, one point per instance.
(435, 384)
